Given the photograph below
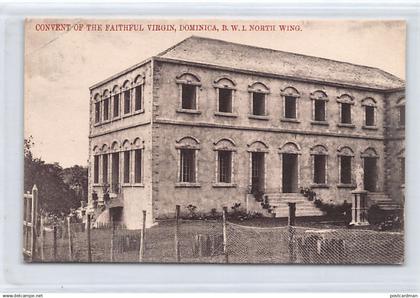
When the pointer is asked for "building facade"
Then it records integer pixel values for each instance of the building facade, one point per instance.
(211, 123)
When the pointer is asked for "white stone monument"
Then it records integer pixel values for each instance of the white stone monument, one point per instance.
(359, 200)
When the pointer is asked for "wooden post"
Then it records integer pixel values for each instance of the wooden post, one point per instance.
(55, 242)
(143, 231)
(112, 239)
(177, 254)
(34, 221)
(42, 237)
(70, 239)
(291, 223)
(225, 251)
(89, 248)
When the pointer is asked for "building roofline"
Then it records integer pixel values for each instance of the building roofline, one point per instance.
(279, 51)
(274, 75)
(119, 74)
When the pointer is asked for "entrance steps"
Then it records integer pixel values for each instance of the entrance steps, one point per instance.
(383, 201)
(304, 207)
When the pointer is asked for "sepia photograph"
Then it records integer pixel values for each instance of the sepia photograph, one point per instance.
(218, 141)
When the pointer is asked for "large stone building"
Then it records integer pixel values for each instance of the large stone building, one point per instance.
(212, 123)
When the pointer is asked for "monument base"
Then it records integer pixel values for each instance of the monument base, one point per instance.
(359, 208)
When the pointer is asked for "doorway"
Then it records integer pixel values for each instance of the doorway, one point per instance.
(370, 173)
(290, 173)
(257, 172)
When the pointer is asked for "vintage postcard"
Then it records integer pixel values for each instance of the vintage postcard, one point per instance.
(214, 141)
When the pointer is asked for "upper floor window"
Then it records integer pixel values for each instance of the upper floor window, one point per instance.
(97, 101)
(259, 93)
(401, 112)
(290, 106)
(225, 89)
(346, 102)
(319, 106)
(187, 155)
(116, 102)
(369, 105)
(138, 93)
(127, 97)
(189, 86)
(106, 108)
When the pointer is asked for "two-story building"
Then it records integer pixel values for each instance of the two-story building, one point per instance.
(213, 123)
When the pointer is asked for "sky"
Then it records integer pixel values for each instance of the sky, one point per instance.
(60, 66)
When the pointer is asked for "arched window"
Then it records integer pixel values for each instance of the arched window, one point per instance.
(138, 147)
(115, 167)
(224, 149)
(319, 107)
(290, 103)
(126, 90)
(188, 92)
(369, 106)
(370, 169)
(97, 102)
(96, 164)
(138, 93)
(290, 169)
(319, 155)
(345, 165)
(116, 102)
(258, 100)
(257, 168)
(225, 91)
(401, 159)
(346, 102)
(401, 112)
(105, 167)
(106, 105)
(187, 148)
(126, 148)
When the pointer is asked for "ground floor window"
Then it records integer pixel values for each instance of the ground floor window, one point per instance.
(126, 166)
(187, 165)
(320, 169)
(402, 170)
(345, 169)
(137, 166)
(96, 169)
(105, 168)
(225, 166)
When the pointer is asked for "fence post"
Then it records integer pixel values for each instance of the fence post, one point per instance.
(112, 239)
(55, 242)
(42, 237)
(143, 231)
(225, 251)
(70, 239)
(34, 221)
(89, 248)
(177, 254)
(290, 224)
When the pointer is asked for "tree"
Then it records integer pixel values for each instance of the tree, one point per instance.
(55, 195)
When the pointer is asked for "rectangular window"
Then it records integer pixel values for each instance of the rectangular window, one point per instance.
(116, 105)
(187, 166)
(345, 169)
(97, 112)
(225, 100)
(225, 166)
(96, 169)
(106, 109)
(138, 99)
(258, 103)
(127, 102)
(126, 166)
(402, 161)
(369, 116)
(402, 115)
(290, 107)
(345, 113)
(189, 97)
(105, 168)
(137, 166)
(319, 110)
(319, 169)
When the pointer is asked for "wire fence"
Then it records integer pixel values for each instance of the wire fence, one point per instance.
(218, 241)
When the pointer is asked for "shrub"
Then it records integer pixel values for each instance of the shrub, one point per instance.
(376, 215)
(192, 211)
